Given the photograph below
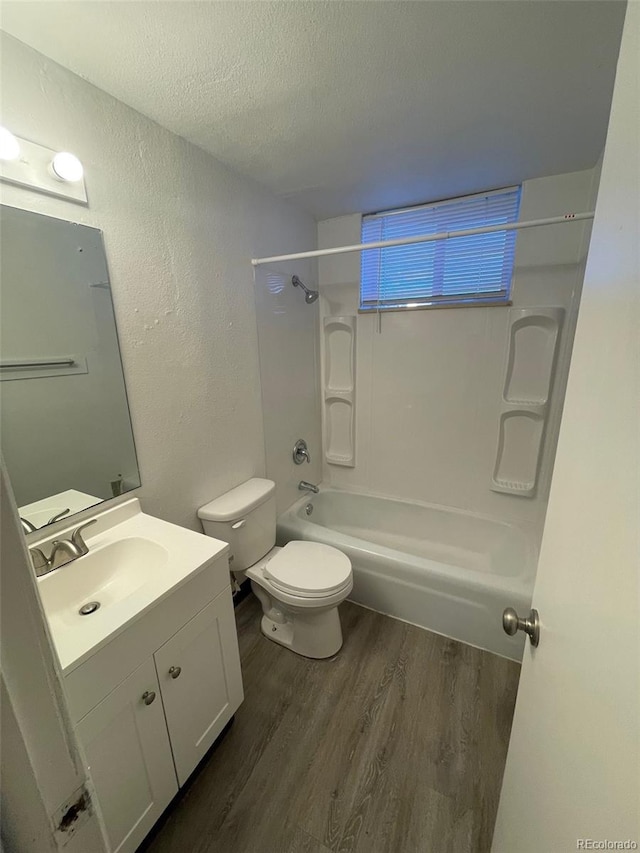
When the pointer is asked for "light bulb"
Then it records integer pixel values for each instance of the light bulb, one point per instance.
(9, 145)
(67, 167)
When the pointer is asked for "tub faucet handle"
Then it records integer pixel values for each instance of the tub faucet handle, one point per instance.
(301, 452)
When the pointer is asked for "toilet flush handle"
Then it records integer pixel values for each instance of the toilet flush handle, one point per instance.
(239, 524)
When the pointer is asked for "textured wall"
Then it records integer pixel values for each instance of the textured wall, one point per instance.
(428, 386)
(179, 232)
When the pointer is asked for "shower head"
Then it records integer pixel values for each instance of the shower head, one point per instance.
(310, 296)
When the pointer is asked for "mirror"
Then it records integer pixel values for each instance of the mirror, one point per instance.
(66, 432)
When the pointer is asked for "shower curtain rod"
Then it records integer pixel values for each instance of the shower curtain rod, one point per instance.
(425, 238)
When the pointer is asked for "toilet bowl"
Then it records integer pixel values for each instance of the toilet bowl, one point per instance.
(299, 585)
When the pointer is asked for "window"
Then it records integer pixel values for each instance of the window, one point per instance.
(458, 271)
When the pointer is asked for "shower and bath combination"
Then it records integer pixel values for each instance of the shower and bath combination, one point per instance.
(310, 295)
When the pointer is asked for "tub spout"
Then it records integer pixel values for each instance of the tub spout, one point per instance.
(308, 487)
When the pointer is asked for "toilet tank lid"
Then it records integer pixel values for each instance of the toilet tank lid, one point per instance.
(239, 501)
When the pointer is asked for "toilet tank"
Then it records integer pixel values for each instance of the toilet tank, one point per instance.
(245, 517)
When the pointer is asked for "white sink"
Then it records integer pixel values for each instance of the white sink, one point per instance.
(134, 561)
(107, 575)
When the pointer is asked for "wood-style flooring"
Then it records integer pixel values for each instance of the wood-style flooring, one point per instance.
(395, 746)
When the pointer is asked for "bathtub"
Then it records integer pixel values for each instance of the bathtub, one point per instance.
(450, 571)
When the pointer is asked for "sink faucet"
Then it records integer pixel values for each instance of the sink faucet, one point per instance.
(63, 551)
(308, 487)
(27, 527)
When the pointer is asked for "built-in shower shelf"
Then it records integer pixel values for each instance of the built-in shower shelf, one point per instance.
(339, 389)
(346, 322)
(527, 404)
(531, 356)
(338, 394)
(534, 335)
(339, 460)
(513, 486)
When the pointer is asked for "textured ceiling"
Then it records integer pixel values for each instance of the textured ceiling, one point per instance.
(353, 106)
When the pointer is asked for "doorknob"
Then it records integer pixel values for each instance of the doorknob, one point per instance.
(174, 671)
(148, 697)
(512, 623)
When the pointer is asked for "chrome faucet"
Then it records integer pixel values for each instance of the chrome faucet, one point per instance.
(28, 527)
(308, 487)
(63, 551)
(301, 452)
(58, 516)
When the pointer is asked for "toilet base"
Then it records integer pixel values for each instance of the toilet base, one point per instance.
(312, 635)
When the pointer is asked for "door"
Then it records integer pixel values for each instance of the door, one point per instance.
(201, 683)
(127, 747)
(571, 779)
(43, 771)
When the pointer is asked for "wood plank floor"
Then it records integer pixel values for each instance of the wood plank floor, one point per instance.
(396, 746)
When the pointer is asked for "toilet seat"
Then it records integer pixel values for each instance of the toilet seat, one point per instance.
(309, 570)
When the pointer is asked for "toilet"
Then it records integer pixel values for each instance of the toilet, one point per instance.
(299, 585)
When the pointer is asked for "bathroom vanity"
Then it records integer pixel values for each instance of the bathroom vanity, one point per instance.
(152, 676)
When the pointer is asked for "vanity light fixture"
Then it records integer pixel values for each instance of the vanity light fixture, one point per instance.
(66, 167)
(9, 145)
(41, 169)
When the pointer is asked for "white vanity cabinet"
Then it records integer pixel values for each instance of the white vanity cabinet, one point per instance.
(199, 674)
(127, 746)
(148, 705)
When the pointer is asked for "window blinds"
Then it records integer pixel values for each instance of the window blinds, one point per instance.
(460, 269)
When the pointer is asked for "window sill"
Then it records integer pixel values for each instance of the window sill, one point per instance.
(477, 303)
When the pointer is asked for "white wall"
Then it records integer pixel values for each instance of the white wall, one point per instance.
(179, 232)
(428, 387)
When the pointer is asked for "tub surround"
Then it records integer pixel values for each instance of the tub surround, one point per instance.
(429, 384)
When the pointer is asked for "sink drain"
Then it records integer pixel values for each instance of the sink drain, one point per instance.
(89, 607)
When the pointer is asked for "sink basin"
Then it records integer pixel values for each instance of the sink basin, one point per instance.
(134, 562)
(106, 575)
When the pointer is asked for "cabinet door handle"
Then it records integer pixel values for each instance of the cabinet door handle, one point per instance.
(148, 697)
(174, 671)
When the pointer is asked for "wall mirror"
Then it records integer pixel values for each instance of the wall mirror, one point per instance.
(66, 432)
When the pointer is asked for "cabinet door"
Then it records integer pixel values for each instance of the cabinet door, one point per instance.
(200, 680)
(127, 747)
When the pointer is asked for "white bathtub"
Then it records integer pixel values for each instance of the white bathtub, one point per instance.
(450, 571)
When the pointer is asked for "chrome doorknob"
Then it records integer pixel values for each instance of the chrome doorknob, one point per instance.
(148, 697)
(174, 671)
(512, 623)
